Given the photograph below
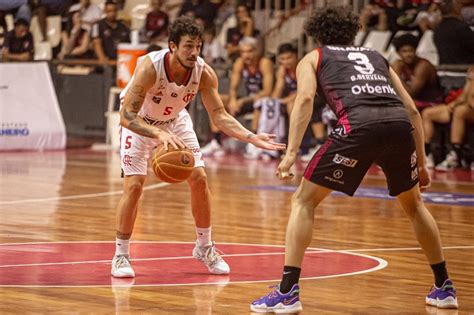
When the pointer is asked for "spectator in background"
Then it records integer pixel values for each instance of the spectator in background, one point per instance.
(212, 51)
(460, 110)
(44, 8)
(373, 16)
(157, 21)
(90, 13)
(245, 28)
(430, 18)
(108, 33)
(205, 9)
(75, 40)
(18, 44)
(20, 9)
(257, 74)
(418, 75)
(453, 38)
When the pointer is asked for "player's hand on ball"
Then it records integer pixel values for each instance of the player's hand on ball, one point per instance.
(283, 170)
(265, 141)
(167, 138)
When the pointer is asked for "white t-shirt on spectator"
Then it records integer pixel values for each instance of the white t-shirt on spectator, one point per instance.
(89, 16)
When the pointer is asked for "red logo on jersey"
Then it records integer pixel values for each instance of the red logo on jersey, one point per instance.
(127, 160)
(188, 97)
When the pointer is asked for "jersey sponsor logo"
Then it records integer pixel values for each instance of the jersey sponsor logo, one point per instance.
(340, 131)
(195, 150)
(156, 99)
(339, 159)
(337, 174)
(413, 159)
(188, 97)
(371, 89)
(127, 160)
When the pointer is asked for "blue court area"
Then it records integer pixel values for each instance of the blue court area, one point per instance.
(381, 193)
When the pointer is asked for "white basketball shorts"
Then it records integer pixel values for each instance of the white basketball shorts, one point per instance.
(135, 150)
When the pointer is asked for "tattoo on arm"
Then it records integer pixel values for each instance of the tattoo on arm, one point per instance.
(137, 89)
(136, 105)
(220, 108)
(137, 125)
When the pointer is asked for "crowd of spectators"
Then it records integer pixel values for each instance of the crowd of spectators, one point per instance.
(93, 30)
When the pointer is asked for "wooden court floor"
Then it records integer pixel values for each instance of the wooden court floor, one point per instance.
(57, 212)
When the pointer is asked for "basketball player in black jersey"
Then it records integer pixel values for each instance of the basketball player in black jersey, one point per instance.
(378, 122)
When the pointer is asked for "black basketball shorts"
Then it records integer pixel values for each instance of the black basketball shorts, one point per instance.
(342, 161)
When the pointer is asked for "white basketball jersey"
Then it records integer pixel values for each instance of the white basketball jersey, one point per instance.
(166, 99)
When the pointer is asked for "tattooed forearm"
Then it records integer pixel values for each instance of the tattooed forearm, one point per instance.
(218, 109)
(136, 105)
(138, 89)
(142, 129)
(136, 124)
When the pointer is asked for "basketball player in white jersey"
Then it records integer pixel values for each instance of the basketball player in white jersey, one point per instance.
(152, 113)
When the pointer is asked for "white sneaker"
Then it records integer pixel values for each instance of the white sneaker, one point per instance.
(252, 152)
(449, 163)
(430, 161)
(308, 156)
(213, 148)
(121, 267)
(211, 258)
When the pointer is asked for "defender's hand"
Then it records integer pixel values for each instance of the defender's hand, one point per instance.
(424, 178)
(283, 170)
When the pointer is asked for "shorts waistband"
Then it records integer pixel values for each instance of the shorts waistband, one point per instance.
(155, 122)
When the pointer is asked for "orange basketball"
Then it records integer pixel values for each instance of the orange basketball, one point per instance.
(172, 166)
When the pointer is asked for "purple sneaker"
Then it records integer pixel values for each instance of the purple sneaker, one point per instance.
(444, 297)
(278, 302)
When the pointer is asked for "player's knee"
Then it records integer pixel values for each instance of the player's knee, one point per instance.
(301, 198)
(198, 180)
(134, 189)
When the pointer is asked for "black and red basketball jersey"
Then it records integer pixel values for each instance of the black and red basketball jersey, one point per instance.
(355, 82)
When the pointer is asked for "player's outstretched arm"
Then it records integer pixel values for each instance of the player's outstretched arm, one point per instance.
(224, 121)
(143, 80)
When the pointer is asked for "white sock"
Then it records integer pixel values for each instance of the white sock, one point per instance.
(122, 247)
(204, 236)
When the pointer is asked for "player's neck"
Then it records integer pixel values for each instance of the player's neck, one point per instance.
(177, 72)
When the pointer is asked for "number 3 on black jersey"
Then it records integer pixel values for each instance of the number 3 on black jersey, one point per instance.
(361, 59)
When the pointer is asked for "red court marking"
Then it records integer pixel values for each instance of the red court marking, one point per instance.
(88, 264)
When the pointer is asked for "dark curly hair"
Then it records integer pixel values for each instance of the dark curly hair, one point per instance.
(333, 26)
(183, 26)
(405, 40)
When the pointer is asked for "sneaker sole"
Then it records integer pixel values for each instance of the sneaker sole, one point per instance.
(447, 303)
(123, 275)
(279, 309)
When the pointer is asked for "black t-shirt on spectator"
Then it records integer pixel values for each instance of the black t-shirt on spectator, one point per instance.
(18, 45)
(110, 36)
(454, 41)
